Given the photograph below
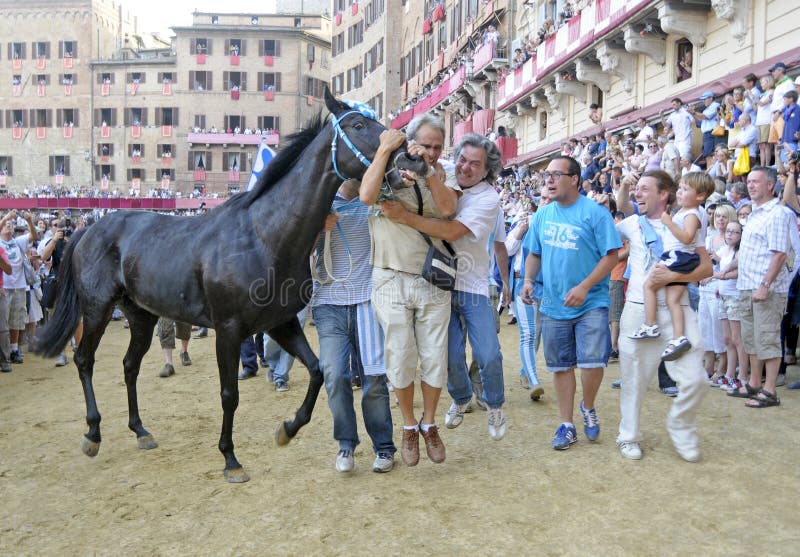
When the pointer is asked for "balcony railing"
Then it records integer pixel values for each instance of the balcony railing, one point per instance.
(594, 22)
(272, 138)
(442, 92)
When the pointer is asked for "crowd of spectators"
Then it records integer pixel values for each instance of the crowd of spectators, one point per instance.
(52, 191)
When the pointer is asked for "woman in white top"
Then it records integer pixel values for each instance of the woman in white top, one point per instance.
(764, 118)
(731, 308)
(708, 310)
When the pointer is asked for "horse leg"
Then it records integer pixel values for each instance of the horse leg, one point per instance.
(291, 338)
(94, 327)
(142, 323)
(228, 345)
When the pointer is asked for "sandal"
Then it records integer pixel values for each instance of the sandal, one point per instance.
(751, 392)
(675, 349)
(764, 399)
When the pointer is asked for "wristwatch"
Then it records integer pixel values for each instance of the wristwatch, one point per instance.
(765, 283)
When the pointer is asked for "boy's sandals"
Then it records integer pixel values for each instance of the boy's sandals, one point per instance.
(675, 349)
(750, 392)
(646, 331)
(763, 399)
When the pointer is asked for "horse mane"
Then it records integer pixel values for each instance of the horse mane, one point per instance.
(284, 160)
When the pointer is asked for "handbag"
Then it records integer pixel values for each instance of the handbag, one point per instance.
(439, 268)
(27, 267)
(742, 164)
(719, 130)
(49, 285)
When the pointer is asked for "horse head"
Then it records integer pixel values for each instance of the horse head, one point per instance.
(357, 126)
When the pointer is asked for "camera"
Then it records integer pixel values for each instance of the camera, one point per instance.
(67, 228)
(794, 157)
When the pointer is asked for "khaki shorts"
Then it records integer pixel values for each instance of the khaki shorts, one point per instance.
(415, 317)
(763, 133)
(17, 310)
(761, 324)
(734, 306)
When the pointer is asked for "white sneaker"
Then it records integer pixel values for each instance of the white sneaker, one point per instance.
(455, 415)
(61, 360)
(630, 450)
(497, 423)
(689, 455)
(345, 461)
(384, 462)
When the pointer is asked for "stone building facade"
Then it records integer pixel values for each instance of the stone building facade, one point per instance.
(112, 114)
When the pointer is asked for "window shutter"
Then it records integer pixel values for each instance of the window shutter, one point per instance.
(113, 117)
(66, 165)
(126, 118)
(175, 117)
(225, 81)
(97, 118)
(52, 165)
(190, 160)
(75, 115)
(193, 47)
(60, 49)
(227, 46)
(225, 162)
(243, 84)
(144, 116)
(59, 118)
(260, 48)
(47, 50)
(209, 42)
(278, 81)
(277, 48)
(242, 45)
(209, 82)
(208, 161)
(260, 81)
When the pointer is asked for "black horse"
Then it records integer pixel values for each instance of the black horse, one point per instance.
(241, 268)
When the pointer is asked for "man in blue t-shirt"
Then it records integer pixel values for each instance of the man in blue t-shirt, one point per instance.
(574, 243)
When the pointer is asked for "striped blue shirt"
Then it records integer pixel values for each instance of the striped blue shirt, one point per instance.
(353, 221)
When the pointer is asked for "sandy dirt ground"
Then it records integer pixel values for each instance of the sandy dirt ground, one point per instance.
(515, 496)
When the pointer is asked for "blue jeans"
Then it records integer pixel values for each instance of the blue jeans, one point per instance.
(584, 341)
(248, 355)
(478, 318)
(338, 340)
(278, 359)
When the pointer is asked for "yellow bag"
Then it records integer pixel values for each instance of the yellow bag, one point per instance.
(742, 164)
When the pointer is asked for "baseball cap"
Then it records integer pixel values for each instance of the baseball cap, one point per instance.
(707, 95)
(777, 65)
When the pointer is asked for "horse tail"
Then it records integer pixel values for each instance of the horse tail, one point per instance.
(54, 335)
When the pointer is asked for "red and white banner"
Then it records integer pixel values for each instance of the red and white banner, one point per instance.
(104, 183)
(105, 89)
(166, 89)
(166, 131)
(136, 132)
(68, 62)
(134, 88)
(67, 90)
(105, 131)
(16, 64)
(41, 133)
(16, 133)
(41, 63)
(234, 59)
(269, 95)
(66, 132)
(201, 59)
(40, 90)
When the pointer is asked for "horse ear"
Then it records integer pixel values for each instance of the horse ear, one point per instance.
(333, 104)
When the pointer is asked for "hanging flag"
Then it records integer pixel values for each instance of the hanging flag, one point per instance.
(264, 155)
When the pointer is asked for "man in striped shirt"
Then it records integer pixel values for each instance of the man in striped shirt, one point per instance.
(764, 283)
(347, 329)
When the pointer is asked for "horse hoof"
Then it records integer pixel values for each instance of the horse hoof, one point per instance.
(89, 447)
(236, 476)
(281, 437)
(146, 442)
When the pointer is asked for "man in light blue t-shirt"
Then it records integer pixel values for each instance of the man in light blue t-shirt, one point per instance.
(574, 243)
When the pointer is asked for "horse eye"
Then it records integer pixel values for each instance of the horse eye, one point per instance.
(358, 126)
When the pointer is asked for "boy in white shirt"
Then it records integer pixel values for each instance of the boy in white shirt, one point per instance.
(682, 233)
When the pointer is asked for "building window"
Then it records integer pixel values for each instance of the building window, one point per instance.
(67, 49)
(136, 117)
(67, 117)
(200, 81)
(42, 117)
(6, 166)
(200, 46)
(166, 117)
(337, 44)
(234, 121)
(214, 20)
(105, 117)
(16, 51)
(338, 84)
(135, 77)
(68, 79)
(59, 165)
(684, 60)
(542, 125)
(105, 149)
(199, 123)
(269, 47)
(234, 81)
(166, 77)
(269, 81)
(269, 123)
(104, 172)
(234, 47)
(41, 50)
(106, 77)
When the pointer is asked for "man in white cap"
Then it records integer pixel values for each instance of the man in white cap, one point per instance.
(708, 119)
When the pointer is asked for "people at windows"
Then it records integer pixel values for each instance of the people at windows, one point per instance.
(595, 113)
(685, 57)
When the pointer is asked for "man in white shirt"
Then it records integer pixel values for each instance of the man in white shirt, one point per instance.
(478, 163)
(645, 135)
(682, 125)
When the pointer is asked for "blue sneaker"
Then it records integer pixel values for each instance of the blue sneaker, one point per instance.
(564, 437)
(591, 425)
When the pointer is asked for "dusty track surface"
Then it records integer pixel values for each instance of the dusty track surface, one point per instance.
(515, 496)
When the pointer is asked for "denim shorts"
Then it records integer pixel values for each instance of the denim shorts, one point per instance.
(583, 342)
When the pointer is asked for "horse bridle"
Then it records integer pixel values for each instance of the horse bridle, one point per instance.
(339, 132)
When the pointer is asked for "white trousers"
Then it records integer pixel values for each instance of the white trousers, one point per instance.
(639, 360)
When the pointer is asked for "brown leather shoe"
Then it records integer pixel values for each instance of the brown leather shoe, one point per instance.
(433, 444)
(410, 448)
